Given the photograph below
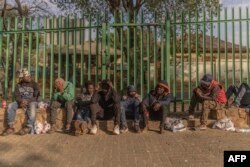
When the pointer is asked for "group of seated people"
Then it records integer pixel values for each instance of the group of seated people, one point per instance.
(102, 101)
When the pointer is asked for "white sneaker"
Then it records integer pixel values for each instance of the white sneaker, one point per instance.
(116, 130)
(93, 130)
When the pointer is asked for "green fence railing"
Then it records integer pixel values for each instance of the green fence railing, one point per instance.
(141, 52)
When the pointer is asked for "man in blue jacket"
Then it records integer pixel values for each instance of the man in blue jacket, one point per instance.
(156, 104)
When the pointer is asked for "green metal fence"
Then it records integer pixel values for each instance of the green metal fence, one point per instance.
(140, 52)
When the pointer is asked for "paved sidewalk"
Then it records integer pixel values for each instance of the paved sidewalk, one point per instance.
(189, 148)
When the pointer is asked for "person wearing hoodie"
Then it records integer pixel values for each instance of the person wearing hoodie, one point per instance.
(242, 95)
(82, 111)
(212, 96)
(105, 103)
(130, 106)
(156, 104)
(63, 97)
(26, 95)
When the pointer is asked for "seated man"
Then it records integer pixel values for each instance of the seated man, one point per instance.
(62, 97)
(242, 95)
(156, 104)
(105, 103)
(130, 106)
(26, 94)
(212, 96)
(82, 114)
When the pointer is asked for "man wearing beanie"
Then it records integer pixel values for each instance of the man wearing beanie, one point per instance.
(212, 96)
(62, 98)
(156, 104)
(130, 105)
(26, 94)
(106, 104)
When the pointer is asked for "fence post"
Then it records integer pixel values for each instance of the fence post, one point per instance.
(1, 39)
(104, 26)
(168, 30)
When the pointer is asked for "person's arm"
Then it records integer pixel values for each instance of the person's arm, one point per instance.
(95, 98)
(215, 92)
(67, 94)
(115, 96)
(18, 95)
(166, 100)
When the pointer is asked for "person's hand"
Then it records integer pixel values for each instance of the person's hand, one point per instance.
(24, 104)
(156, 106)
(124, 97)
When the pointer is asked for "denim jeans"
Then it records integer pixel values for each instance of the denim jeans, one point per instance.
(82, 114)
(31, 113)
(131, 107)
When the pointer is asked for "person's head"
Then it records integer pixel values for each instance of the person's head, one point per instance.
(90, 87)
(162, 87)
(105, 86)
(131, 90)
(206, 81)
(24, 75)
(59, 84)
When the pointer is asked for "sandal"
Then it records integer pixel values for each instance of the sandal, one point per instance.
(25, 131)
(77, 128)
(8, 131)
(84, 127)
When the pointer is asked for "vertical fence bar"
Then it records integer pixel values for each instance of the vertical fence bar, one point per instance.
(155, 50)
(226, 54)
(52, 58)
(162, 52)
(7, 60)
(174, 61)
(219, 58)
(37, 48)
(167, 61)
(74, 56)
(122, 58)
(60, 48)
(67, 50)
(1, 41)
(189, 57)
(197, 49)
(90, 53)
(248, 67)
(148, 59)
(23, 36)
(14, 59)
(204, 41)
(211, 43)
(115, 53)
(108, 53)
(103, 51)
(128, 51)
(44, 59)
(30, 43)
(182, 62)
(135, 54)
(82, 34)
(240, 47)
(233, 46)
(97, 50)
(141, 56)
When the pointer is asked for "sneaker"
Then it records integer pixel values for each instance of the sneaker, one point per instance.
(124, 130)
(52, 129)
(116, 130)
(8, 131)
(137, 129)
(25, 131)
(201, 127)
(93, 130)
(190, 117)
(67, 128)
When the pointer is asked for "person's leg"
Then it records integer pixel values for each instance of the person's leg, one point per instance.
(145, 112)
(11, 114)
(95, 109)
(164, 110)
(69, 112)
(123, 114)
(136, 109)
(243, 96)
(232, 90)
(194, 101)
(31, 113)
(53, 114)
